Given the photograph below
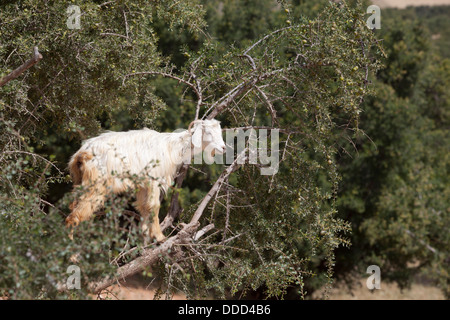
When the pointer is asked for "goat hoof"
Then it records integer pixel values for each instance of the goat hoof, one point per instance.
(161, 240)
(158, 238)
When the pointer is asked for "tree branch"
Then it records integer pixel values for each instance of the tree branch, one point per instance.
(148, 258)
(220, 105)
(203, 231)
(264, 38)
(28, 64)
(216, 187)
(184, 236)
(273, 112)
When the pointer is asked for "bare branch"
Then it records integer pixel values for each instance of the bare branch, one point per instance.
(28, 64)
(273, 112)
(286, 131)
(413, 235)
(163, 74)
(252, 62)
(216, 187)
(34, 155)
(113, 34)
(126, 22)
(225, 101)
(148, 258)
(199, 95)
(203, 231)
(264, 38)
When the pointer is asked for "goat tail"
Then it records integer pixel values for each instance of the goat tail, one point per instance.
(84, 173)
(77, 166)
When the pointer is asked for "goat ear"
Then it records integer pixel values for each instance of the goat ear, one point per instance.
(197, 136)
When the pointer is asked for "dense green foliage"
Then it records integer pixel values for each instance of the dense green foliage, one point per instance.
(436, 21)
(364, 146)
(395, 189)
(76, 87)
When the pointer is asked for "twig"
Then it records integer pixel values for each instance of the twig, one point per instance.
(166, 75)
(36, 156)
(126, 22)
(113, 34)
(199, 95)
(413, 235)
(264, 38)
(285, 131)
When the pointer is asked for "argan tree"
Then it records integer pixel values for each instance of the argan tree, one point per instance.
(234, 229)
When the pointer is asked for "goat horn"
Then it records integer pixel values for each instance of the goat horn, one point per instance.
(190, 125)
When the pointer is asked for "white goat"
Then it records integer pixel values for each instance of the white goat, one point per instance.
(105, 164)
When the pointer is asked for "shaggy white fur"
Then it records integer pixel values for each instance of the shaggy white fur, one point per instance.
(143, 159)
